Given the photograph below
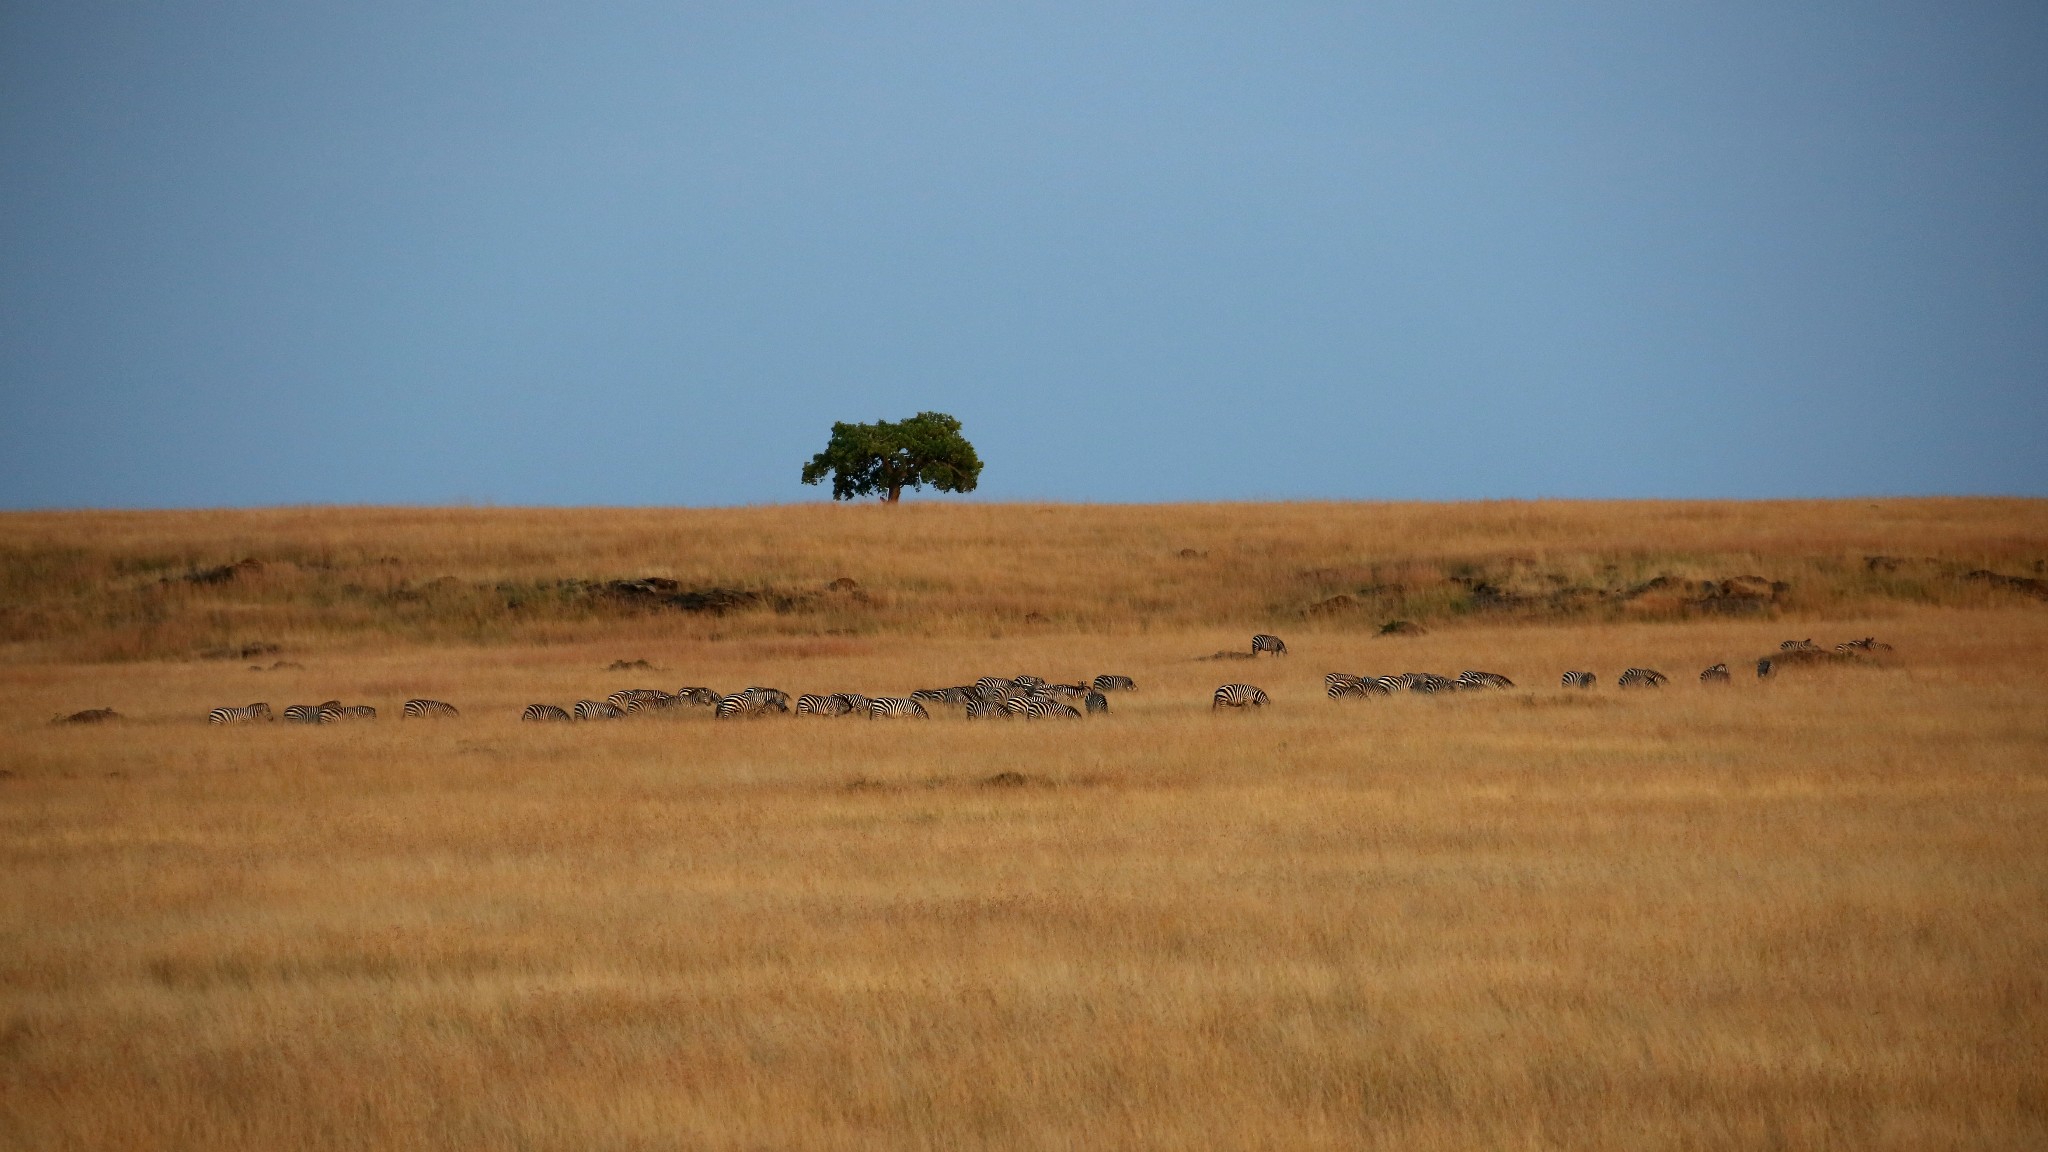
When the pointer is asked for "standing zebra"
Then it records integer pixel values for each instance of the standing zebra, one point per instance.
(416, 709)
(543, 712)
(991, 687)
(630, 696)
(1333, 681)
(1095, 702)
(596, 710)
(701, 697)
(984, 709)
(1641, 678)
(1472, 679)
(1806, 645)
(302, 714)
(809, 705)
(244, 715)
(895, 706)
(1577, 680)
(1108, 683)
(1040, 708)
(334, 712)
(1238, 696)
(1265, 643)
(1718, 674)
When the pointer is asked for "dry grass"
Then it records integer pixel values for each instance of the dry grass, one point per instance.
(1810, 913)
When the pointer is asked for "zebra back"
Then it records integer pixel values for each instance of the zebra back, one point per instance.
(1109, 683)
(596, 710)
(1265, 643)
(882, 706)
(1641, 678)
(1577, 680)
(1040, 708)
(302, 714)
(812, 705)
(1718, 674)
(980, 709)
(239, 715)
(1096, 703)
(1472, 678)
(543, 712)
(429, 708)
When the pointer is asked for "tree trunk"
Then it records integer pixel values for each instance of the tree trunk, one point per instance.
(895, 493)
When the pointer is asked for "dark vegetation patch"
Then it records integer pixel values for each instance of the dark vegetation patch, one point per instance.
(629, 666)
(89, 716)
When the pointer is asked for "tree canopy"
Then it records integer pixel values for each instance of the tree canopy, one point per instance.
(888, 456)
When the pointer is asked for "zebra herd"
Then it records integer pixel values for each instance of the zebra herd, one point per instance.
(330, 712)
(989, 698)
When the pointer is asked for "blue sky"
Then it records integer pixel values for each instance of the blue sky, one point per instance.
(647, 253)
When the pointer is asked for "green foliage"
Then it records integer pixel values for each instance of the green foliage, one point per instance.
(888, 456)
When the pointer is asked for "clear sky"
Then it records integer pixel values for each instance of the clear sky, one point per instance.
(646, 253)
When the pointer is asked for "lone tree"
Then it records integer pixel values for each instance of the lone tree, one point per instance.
(889, 456)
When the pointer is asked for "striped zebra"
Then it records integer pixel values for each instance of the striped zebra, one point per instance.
(1015, 702)
(1474, 679)
(1064, 691)
(1763, 667)
(1026, 682)
(656, 702)
(992, 687)
(1096, 703)
(895, 706)
(427, 709)
(1109, 683)
(811, 705)
(1641, 678)
(1238, 696)
(334, 712)
(956, 695)
(983, 709)
(1578, 680)
(741, 704)
(1265, 643)
(700, 697)
(626, 696)
(1718, 674)
(856, 701)
(1806, 645)
(243, 715)
(1867, 644)
(1427, 683)
(302, 714)
(597, 710)
(1040, 708)
(543, 712)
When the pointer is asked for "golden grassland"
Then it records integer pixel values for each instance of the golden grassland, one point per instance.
(1804, 913)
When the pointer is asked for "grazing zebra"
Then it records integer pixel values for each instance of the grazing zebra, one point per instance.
(1039, 708)
(882, 706)
(1015, 703)
(701, 697)
(1265, 643)
(855, 700)
(1763, 667)
(1806, 645)
(428, 708)
(1472, 679)
(302, 714)
(1867, 644)
(1334, 680)
(1578, 680)
(810, 705)
(1641, 678)
(1108, 683)
(656, 702)
(1718, 674)
(596, 710)
(1065, 691)
(991, 687)
(334, 712)
(1238, 696)
(741, 704)
(543, 712)
(1026, 682)
(253, 712)
(629, 696)
(982, 709)
(1426, 682)
(955, 695)
(1095, 702)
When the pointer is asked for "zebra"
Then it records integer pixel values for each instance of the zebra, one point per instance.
(955, 695)
(1109, 683)
(1867, 644)
(1806, 645)
(1641, 678)
(1065, 691)
(244, 715)
(334, 712)
(1238, 696)
(1026, 682)
(1427, 683)
(769, 697)
(1472, 679)
(1578, 680)
(1763, 667)
(992, 687)
(984, 709)
(596, 710)
(1095, 702)
(701, 697)
(855, 701)
(741, 704)
(1265, 643)
(654, 702)
(543, 712)
(1718, 674)
(629, 696)
(882, 706)
(415, 709)
(1039, 708)
(302, 714)
(809, 705)
(1335, 680)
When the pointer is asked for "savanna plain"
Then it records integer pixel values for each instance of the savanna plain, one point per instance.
(1809, 911)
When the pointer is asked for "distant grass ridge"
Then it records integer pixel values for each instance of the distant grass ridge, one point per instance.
(228, 584)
